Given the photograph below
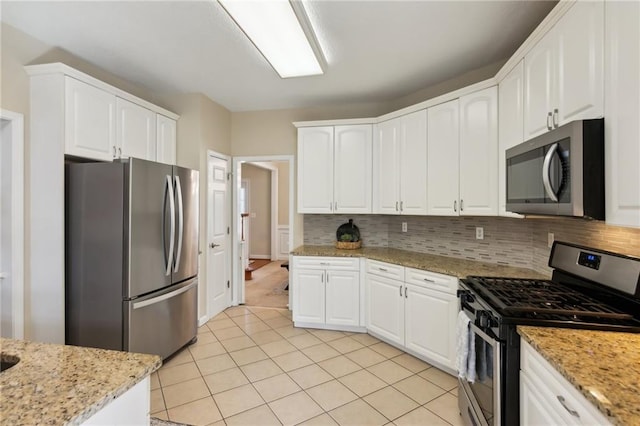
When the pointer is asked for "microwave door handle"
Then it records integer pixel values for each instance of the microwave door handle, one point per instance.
(546, 169)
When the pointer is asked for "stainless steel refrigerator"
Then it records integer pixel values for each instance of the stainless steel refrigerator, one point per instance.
(131, 256)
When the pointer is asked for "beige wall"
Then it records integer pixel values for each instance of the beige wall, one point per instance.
(259, 205)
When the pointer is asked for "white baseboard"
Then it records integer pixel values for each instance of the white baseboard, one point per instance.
(203, 320)
(260, 256)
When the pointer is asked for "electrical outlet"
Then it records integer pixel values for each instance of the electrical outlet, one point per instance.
(479, 233)
(550, 239)
(404, 226)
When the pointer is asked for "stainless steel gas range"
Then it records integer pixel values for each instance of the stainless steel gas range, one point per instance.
(589, 289)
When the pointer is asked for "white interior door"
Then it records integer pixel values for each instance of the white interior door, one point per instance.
(218, 236)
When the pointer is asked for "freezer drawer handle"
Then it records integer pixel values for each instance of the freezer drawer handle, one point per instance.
(166, 296)
(180, 224)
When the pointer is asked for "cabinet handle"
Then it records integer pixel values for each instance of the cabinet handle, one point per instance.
(405, 292)
(400, 291)
(461, 205)
(396, 206)
(401, 206)
(429, 281)
(330, 206)
(119, 152)
(383, 269)
(327, 278)
(549, 120)
(114, 151)
(555, 117)
(455, 205)
(325, 263)
(322, 278)
(335, 206)
(574, 413)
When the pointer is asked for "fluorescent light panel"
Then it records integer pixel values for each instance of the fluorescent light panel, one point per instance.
(275, 30)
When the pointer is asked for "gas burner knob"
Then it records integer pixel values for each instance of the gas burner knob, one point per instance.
(466, 296)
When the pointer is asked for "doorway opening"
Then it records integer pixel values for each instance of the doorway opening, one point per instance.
(11, 225)
(263, 213)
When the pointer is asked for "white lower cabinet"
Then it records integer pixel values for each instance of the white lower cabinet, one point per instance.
(547, 398)
(130, 408)
(413, 309)
(326, 292)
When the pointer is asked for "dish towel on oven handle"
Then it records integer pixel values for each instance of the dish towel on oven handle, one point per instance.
(466, 349)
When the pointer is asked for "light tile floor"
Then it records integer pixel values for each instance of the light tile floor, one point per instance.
(250, 366)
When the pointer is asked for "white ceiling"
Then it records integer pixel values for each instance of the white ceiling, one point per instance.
(376, 51)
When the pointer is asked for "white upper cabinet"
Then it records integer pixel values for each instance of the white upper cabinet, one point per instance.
(166, 139)
(136, 135)
(442, 159)
(315, 169)
(399, 165)
(563, 73)
(386, 168)
(334, 169)
(622, 109)
(510, 127)
(479, 153)
(352, 169)
(90, 125)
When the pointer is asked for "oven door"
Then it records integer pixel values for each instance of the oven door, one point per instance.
(480, 401)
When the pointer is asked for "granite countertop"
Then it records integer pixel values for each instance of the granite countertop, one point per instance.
(456, 267)
(603, 365)
(57, 384)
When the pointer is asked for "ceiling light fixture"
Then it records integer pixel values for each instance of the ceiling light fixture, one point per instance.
(281, 31)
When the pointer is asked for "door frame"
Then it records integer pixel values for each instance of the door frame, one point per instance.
(16, 121)
(273, 182)
(236, 264)
(209, 284)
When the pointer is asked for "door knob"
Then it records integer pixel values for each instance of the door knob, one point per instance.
(214, 245)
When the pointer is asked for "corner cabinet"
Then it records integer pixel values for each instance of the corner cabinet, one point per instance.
(413, 309)
(326, 293)
(334, 169)
(399, 159)
(622, 109)
(563, 73)
(462, 160)
(547, 398)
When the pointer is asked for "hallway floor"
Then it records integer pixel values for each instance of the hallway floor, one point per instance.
(266, 289)
(250, 366)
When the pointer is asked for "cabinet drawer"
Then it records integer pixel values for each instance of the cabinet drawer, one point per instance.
(333, 263)
(432, 280)
(387, 270)
(552, 386)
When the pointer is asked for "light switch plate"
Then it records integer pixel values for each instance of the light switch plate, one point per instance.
(479, 233)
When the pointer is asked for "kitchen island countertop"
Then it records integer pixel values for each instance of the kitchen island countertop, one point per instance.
(58, 384)
(453, 266)
(603, 365)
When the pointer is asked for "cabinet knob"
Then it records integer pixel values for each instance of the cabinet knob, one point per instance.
(214, 245)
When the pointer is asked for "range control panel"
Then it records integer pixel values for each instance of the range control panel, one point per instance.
(589, 260)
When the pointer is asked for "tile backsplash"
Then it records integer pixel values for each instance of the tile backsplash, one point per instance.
(507, 241)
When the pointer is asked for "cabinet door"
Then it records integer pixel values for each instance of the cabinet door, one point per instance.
(479, 153)
(90, 126)
(580, 38)
(315, 169)
(622, 109)
(136, 131)
(343, 298)
(430, 318)
(413, 163)
(510, 127)
(308, 290)
(386, 168)
(534, 410)
(539, 71)
(166, 142)
(385, 308)
(443, 159)
(352, 169)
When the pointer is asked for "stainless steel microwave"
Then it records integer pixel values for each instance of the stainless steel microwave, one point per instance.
(559, 173)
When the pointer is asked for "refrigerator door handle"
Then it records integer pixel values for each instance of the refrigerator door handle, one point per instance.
(165, 296)
(172, 209)
(180, 224)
